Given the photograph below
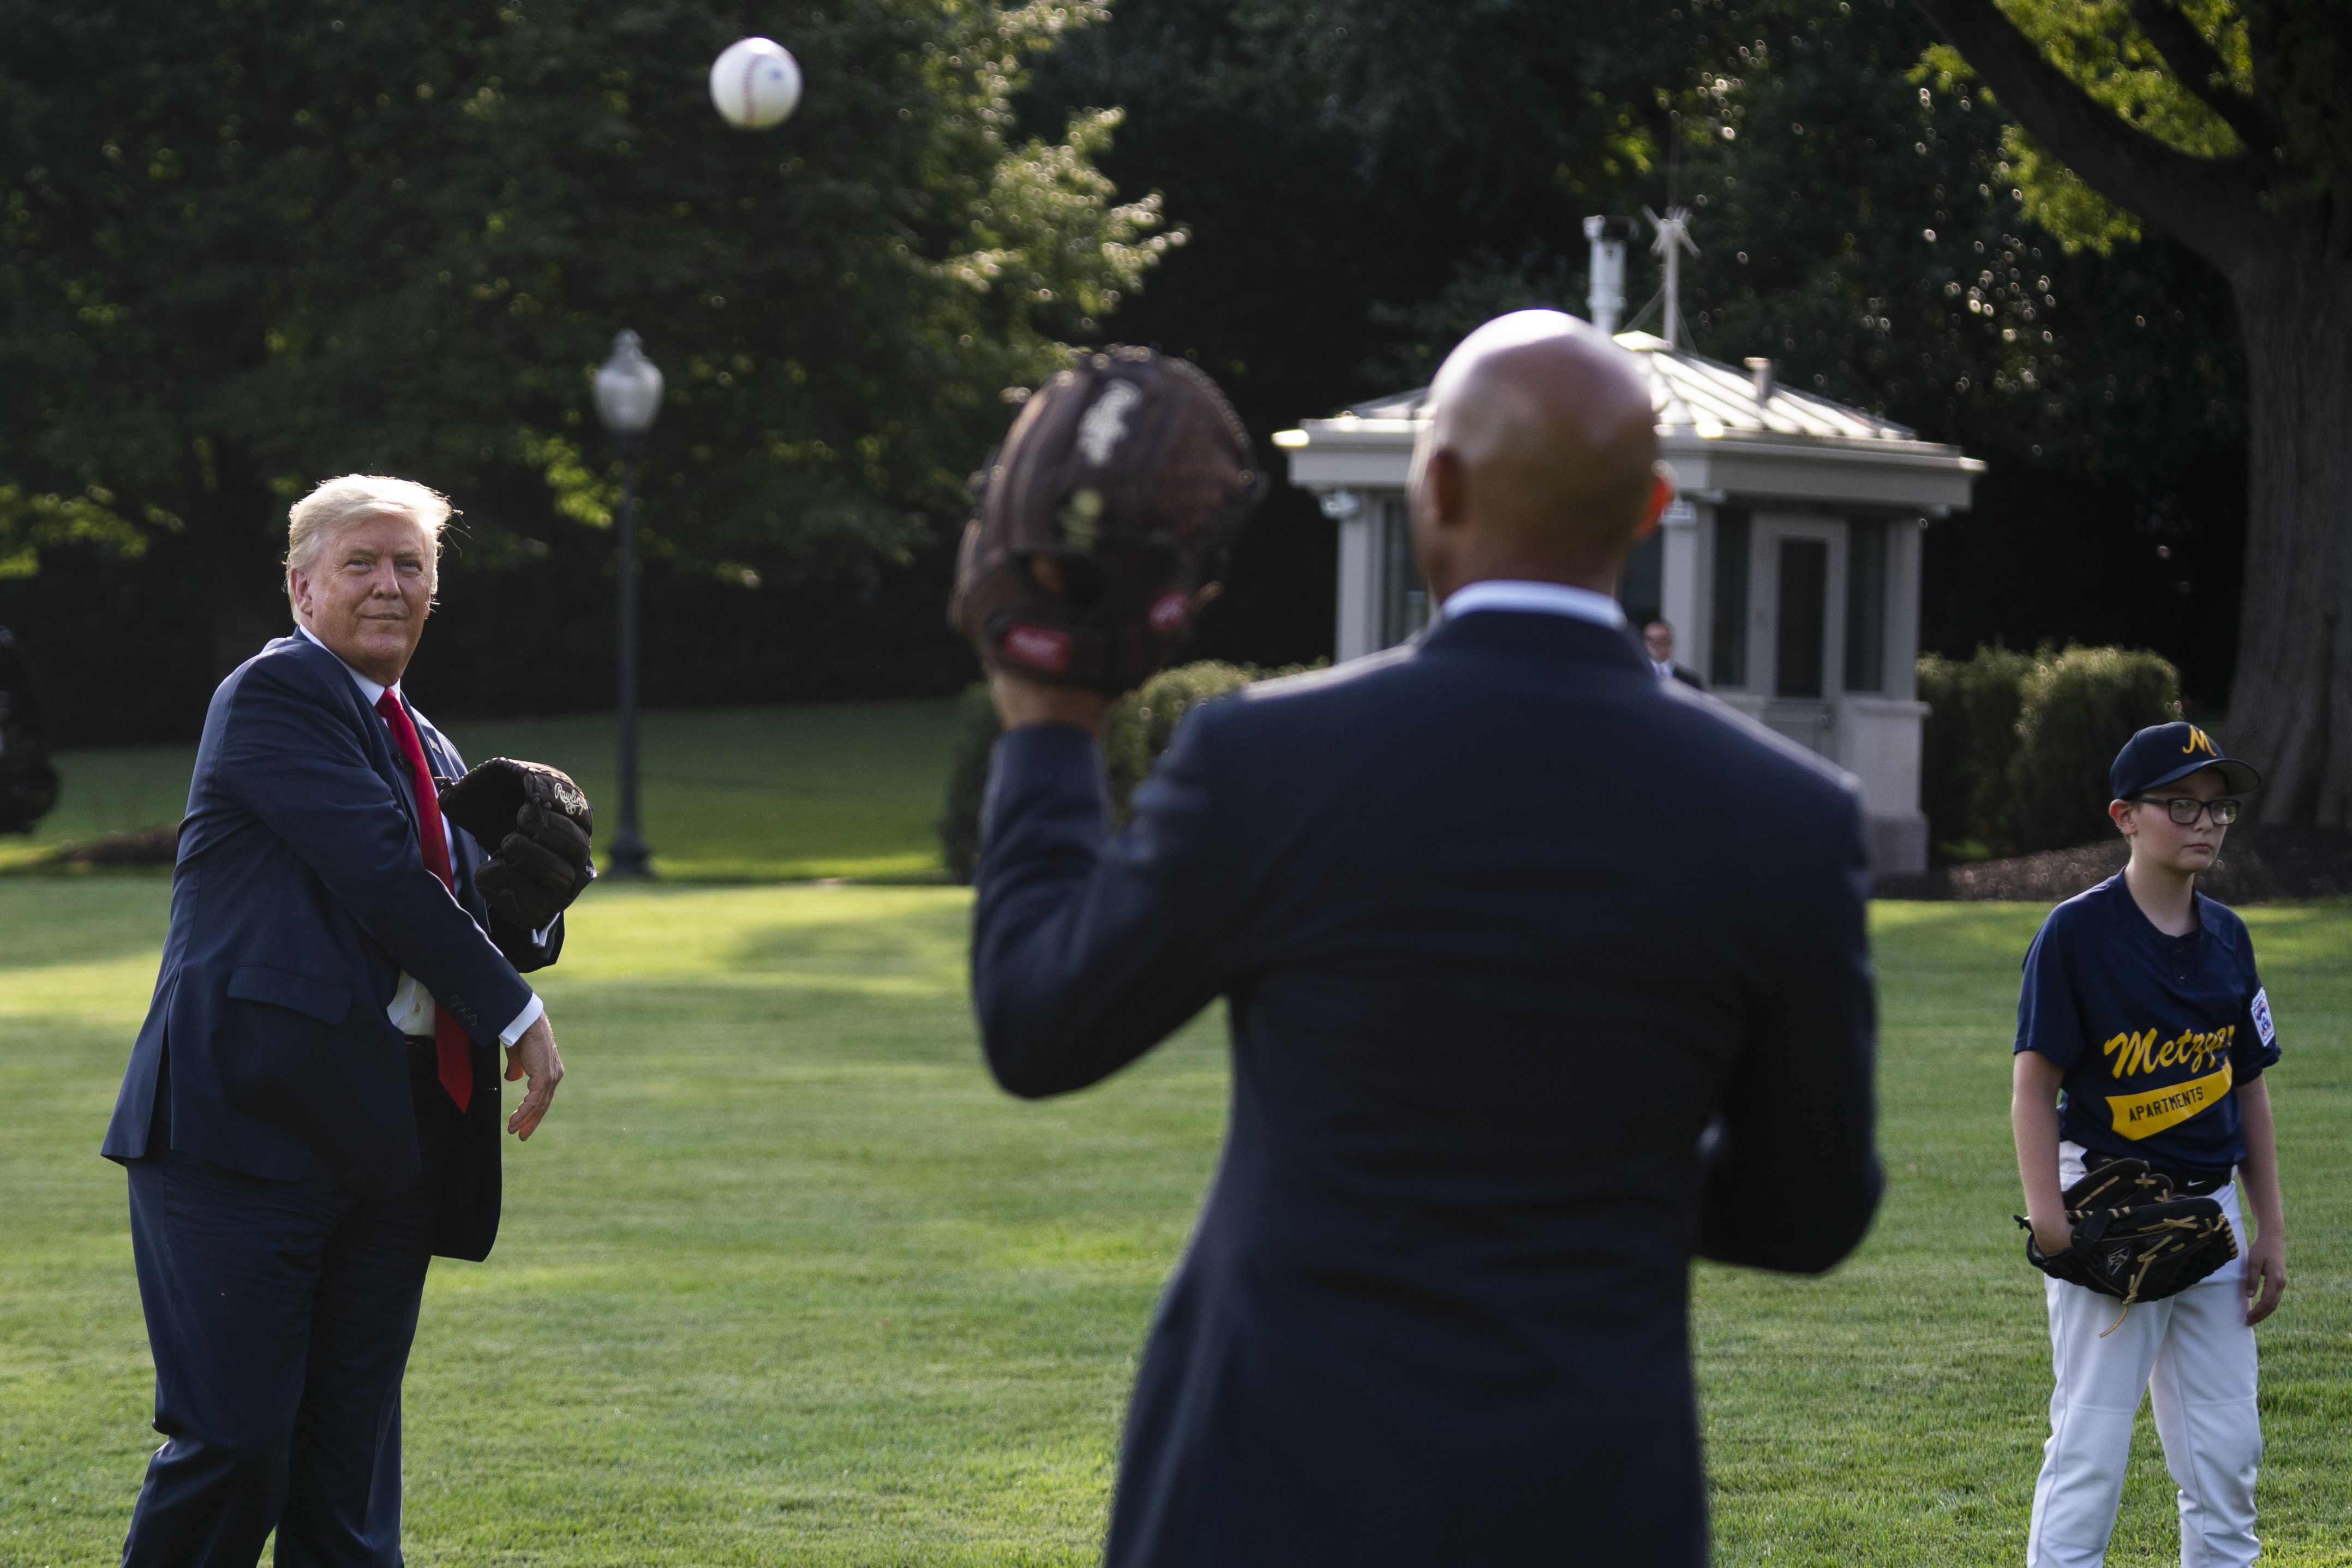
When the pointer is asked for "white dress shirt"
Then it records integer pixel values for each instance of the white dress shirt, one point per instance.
(1665, 671)
(412, 1005)
(1543, 598)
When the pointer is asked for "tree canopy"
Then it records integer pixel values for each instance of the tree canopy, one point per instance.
(248, 245)
(280, 242)
(2222, 123)
(1365, 182)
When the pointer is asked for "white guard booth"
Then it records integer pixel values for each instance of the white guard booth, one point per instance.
(1789, 568)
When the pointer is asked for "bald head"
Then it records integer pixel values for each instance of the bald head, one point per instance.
(1539, 458)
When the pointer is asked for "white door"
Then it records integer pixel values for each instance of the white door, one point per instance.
(1799, 568)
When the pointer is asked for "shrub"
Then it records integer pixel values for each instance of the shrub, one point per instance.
(1944, 751)
(2079, 708)
(1140, 725)
(1971, 738)
(975, 738)
(1145, 720)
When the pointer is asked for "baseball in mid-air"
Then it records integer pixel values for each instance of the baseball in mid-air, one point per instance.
(756, 83)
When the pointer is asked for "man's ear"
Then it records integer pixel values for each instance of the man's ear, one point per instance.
(1447, 483)
(298, 589)
(1661, 496)
(2120, 813)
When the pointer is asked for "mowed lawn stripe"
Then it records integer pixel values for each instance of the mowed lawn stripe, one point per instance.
(755, 795)
(786, 1281)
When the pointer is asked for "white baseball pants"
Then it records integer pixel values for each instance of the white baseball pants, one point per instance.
(2195, 1355)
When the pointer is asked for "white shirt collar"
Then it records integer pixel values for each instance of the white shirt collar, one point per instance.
(1540, 598)
(372, 690)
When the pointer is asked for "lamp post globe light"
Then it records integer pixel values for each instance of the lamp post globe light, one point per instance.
(628, 396)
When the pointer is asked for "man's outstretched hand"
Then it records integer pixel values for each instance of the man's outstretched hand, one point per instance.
(533, 1056)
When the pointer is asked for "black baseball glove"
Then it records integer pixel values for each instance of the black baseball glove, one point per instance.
(1103, 521)
(536, 823)
(2133, 1238)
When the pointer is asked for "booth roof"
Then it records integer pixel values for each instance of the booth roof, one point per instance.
(1704, 396)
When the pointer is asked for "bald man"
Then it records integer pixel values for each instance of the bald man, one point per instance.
(1542, 974)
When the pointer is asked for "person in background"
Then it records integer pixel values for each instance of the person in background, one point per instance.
(1658, 641)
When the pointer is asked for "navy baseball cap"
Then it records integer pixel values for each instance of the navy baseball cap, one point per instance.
(2164, 754)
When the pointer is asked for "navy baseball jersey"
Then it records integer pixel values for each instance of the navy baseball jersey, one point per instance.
(2153, 1032)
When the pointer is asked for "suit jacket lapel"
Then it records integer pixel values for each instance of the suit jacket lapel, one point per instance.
(442, 761)
(375, 737)
(384, 755)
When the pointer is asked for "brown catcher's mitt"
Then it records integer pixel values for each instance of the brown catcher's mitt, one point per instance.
(2133, 1238)
(536, 823)
(1103, 521)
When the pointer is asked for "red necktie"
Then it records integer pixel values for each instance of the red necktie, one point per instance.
(455, 1051)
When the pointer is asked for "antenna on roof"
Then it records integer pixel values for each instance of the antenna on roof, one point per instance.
(1674, 240)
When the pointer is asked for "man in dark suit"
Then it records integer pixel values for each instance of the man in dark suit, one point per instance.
(1543, 974)
(293, 1161)
(1658, 642)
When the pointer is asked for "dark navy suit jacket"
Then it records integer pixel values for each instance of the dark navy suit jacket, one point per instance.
(300, 896)
(1544, 974)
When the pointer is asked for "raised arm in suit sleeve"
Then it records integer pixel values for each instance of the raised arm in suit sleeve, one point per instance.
(1090, 950)
(528, 949)
(1791, 1176)
(289, 757)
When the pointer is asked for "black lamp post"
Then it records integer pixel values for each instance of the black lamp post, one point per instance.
(628, 395)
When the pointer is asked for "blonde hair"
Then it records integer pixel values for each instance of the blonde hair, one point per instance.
(316, 519)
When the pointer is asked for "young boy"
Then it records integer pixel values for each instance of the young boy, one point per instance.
(2143, 1020)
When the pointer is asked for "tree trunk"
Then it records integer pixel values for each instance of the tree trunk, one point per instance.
(2288, 256)
(237, 532)
(2291, 703)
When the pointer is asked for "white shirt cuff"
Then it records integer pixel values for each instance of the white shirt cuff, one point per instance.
(531, 1014)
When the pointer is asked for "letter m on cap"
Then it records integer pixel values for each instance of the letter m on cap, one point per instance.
(2199, 740)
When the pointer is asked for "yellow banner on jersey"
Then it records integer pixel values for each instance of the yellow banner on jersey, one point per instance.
(2137, 1116)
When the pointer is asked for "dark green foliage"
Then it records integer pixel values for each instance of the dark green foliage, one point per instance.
(1970, 736)
(976, 729)
(244, 246)
(1145, 721)
(1366, 179)
(2079, 708)
(1141, 725)
(2017, 745)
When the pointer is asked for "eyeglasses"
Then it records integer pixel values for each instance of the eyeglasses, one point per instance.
(2185, 810)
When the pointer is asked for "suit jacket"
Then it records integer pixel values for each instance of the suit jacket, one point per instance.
(1510, 929)
(300, 895)
(1689, 678)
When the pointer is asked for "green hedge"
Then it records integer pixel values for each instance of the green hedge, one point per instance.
(2016, 748)
(1145, 721)
(1141, 726)
(1970, 736)
(975, 737)
(2080, 708)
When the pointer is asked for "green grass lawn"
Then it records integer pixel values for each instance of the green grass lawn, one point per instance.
(841, 789)
(784, 1280)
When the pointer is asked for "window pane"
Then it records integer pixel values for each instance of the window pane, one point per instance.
(1804, 595)
(1866, 604)
(1727, 662)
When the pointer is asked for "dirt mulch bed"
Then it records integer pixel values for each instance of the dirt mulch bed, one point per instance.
(142, 846)
(2259, 865)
